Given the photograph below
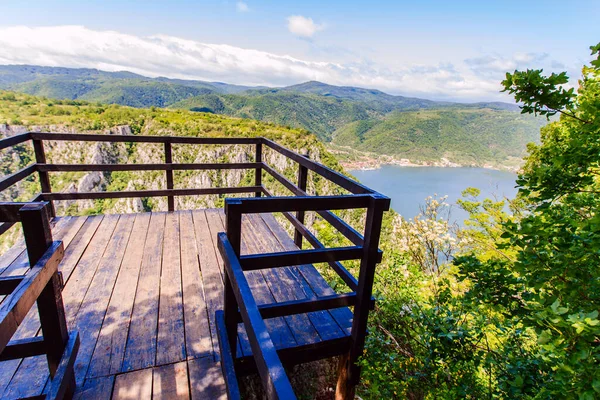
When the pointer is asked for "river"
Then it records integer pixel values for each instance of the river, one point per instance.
(409, 186)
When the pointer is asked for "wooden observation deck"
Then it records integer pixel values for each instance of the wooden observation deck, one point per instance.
(179, 304)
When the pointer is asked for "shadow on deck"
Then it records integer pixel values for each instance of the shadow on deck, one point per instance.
(142, 290)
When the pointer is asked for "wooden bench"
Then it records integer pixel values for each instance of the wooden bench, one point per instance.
(42, 284)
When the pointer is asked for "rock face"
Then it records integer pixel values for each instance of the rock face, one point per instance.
(7, 130)
(62, 152)
(91, 182)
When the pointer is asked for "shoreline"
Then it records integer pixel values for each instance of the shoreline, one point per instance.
(366, 163)
(361, 166)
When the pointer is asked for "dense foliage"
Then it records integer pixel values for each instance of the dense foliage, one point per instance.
(515, 314)
(465, 136)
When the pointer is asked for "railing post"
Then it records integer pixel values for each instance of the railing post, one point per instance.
(38, 237)
(349, 371)
(258, 170)
(40, 158)
(169, 172)
(302, 180)
(233, 217)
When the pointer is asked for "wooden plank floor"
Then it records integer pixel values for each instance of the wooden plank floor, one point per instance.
(142, 290)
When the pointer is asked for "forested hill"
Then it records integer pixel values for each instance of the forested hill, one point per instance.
(365, 120)
(476, 136)
(125, 88)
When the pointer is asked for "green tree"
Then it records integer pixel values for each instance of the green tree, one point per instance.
(551, 290)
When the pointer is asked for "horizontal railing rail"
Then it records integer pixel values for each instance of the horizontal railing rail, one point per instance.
(83, 137)
(148, 193)
(305, 164)
(343, 181)
(143, 167)
(299, 257)
(341, 225)
(14, 140)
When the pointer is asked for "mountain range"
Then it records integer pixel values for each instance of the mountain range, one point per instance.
(364, 119)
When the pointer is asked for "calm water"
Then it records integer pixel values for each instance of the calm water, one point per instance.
(409, 186)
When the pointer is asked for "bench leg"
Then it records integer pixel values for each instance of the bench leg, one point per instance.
(53, 322)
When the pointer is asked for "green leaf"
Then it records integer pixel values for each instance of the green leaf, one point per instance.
(596, 385)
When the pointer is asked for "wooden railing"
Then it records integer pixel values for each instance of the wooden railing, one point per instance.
(239, 303)
(46, 194)
(42, 285)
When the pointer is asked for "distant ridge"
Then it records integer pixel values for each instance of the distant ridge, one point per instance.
(366, 120)
(32, 79)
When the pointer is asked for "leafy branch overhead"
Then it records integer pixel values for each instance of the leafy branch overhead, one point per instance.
(544, 95)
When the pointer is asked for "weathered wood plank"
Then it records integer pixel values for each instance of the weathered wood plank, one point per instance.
(96, 389)
(77, 246)
(210, 268)
(133, 385)
(170, 343)
(170, 382)
(197, 331)
(215, 219)
(140, 351)
(279, 281)
(20, 264)
(82, 275)
(10, 255)
(110, 347)
(206, 380)
(93, 309)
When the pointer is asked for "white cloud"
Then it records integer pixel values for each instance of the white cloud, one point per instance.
(494, 64)
(302, 26)
(160, 55)
(242, 7)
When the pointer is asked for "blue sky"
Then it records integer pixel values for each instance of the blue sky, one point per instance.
(455, 50)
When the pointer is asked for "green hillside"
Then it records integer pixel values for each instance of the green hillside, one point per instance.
(128, 92)
(363, 120)
(318, 114)
(121, 87)
(467, 136)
